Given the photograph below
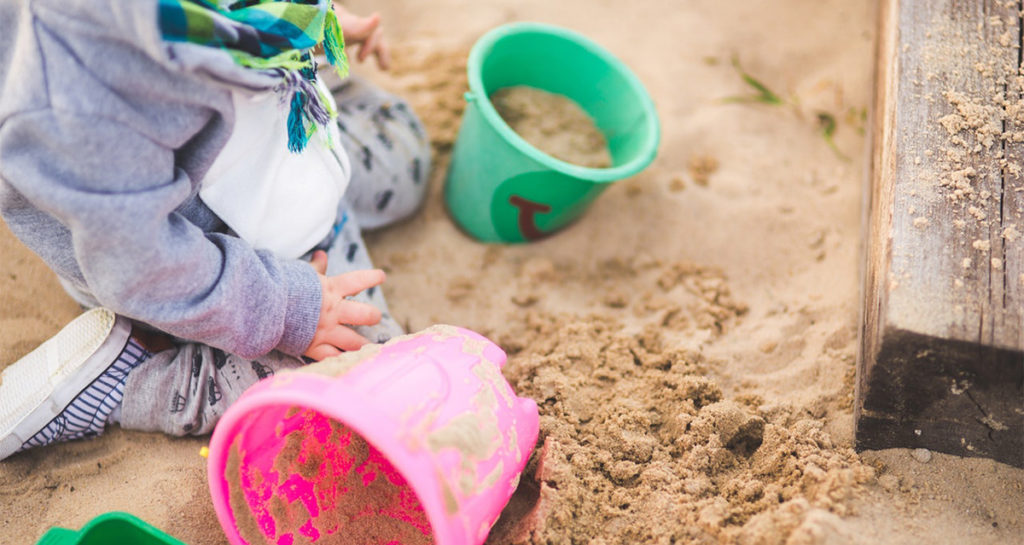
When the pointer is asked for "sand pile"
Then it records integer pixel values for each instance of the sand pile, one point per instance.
(639, 446)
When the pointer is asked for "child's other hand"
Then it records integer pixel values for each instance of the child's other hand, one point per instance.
(332, 334)
(365, 32)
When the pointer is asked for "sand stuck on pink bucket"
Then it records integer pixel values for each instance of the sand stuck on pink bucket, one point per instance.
(363, 498)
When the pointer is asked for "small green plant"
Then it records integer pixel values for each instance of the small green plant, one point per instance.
(763, 94)
(827, 123)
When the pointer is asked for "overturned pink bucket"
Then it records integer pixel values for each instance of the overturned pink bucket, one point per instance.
(420, 440)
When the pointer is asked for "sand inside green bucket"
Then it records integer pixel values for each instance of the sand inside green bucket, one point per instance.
(553, 124)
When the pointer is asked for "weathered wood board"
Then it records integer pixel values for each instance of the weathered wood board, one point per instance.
(941, 362)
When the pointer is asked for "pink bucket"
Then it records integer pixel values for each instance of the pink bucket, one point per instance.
(420, 440)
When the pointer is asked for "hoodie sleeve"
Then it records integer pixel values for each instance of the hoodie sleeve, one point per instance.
(117, 192)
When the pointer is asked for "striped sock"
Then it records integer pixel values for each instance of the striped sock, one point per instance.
(89, 412)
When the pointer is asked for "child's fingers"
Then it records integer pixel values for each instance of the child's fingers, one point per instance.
(356, 281)
(344, 338)
(357, 29)
(321, 352)
(319, 261)
(383, 54)
(370, 45)
(356, 313)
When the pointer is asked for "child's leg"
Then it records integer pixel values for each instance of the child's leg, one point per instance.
(100, 369)
(185, 389)
(388, 150)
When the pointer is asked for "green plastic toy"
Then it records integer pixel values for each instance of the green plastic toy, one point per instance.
(502, 189)
(109, 529)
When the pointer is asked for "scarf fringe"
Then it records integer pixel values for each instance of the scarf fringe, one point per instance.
(309, 108)
(334, 44)
(298, 136)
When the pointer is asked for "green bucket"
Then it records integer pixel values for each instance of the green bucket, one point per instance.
(114, 528)
(502, 189)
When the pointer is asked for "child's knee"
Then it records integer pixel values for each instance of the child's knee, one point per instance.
(418, 152)
(415, 143)
(185, 389)
(417, 178)
(397, 171)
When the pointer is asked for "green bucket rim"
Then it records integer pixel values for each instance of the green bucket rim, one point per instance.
(64, 536)
(474, 67)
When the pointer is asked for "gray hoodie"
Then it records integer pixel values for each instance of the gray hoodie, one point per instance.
(106, 132)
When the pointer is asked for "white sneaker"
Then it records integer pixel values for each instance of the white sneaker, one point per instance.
(67, 388)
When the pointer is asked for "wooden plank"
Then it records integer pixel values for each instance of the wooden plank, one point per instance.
(941, 362)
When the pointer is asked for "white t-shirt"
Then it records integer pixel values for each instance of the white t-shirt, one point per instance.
(272, 198)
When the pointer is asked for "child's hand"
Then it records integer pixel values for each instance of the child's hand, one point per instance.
(336, 312)
(365, 32)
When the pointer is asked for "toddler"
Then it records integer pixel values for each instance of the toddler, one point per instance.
(189, 176)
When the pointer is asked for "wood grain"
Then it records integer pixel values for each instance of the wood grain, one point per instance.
(942, 341)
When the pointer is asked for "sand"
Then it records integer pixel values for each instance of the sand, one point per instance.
(553, 124)
(691, 340)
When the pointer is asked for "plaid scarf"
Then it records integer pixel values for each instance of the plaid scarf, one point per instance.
(275, 37)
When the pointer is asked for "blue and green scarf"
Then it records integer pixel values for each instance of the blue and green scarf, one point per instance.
(272, 36)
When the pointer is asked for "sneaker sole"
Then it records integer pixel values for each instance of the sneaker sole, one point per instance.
(42, 384)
